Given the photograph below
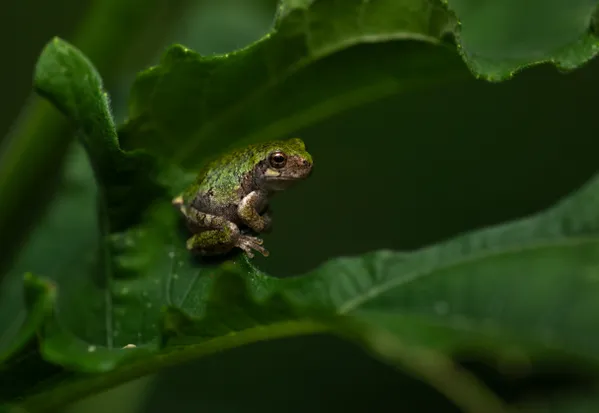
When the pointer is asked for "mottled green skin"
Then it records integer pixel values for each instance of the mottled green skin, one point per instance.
(231, 195)
(224, 175)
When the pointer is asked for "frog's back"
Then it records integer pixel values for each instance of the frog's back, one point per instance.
(221, 181)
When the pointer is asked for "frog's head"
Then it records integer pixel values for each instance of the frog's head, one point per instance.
(284, 163)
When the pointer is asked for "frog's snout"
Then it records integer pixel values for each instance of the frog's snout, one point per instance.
(308, 166)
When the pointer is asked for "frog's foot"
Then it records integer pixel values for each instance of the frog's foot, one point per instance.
(248, 243)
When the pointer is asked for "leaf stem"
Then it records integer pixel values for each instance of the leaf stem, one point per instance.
(83, 386)
(461, 387)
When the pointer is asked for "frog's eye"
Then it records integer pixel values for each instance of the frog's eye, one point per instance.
(278, 160)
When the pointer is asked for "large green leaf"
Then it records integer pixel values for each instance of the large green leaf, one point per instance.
(498, 37)
(320, 58)
(323, 57)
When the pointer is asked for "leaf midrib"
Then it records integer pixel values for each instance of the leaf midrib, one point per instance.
(387, 285)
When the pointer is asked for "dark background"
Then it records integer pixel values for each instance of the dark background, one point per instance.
(400, 173)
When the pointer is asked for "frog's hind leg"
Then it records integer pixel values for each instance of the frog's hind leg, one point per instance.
(213, 242)
(220, 236)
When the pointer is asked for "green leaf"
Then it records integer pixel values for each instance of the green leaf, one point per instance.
(242, 307)
(261, 306)
(66, 78)
(39, 297)
(321, 57)
(499, 37)
(530, 285)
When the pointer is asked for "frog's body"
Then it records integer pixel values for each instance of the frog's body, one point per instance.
(231, 194)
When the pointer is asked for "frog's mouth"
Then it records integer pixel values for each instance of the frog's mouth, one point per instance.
(283, 182)
(296, 175)
(280, 184)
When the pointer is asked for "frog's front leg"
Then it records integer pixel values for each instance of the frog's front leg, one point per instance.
(220, 236)
(249, 211)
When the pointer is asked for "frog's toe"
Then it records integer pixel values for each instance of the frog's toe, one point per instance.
(249, 244)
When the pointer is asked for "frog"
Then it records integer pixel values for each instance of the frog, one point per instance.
(227, 206)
